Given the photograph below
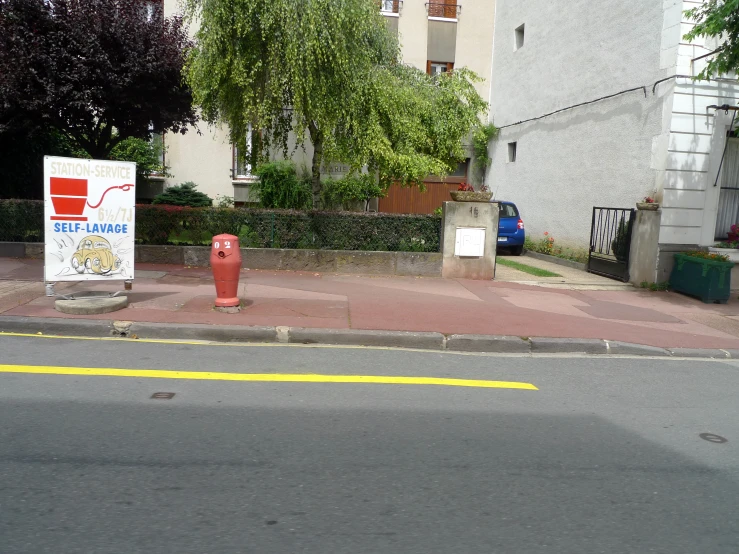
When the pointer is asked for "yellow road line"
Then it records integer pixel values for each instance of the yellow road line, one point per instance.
(265, 377)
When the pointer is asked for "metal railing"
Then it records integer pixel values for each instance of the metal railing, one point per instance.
(610, 242)
(445, 10)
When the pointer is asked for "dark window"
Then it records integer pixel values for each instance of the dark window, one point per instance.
(153, 9)
(461, 170)
(512, 151)
(437, 68)
(390, 6)
(519, 32)
(241, 165)
(508, 210)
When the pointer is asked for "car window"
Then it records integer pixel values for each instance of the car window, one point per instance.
(508, 210)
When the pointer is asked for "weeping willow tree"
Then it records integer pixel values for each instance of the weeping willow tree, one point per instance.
(328, 71)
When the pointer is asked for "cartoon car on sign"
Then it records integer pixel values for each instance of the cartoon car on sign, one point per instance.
(94, 254)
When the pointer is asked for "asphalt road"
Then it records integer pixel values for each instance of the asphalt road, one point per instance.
(605, 457)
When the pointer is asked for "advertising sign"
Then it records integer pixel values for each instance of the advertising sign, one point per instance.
(89, 214)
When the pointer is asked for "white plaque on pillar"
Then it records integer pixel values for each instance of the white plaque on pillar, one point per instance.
(470, 242)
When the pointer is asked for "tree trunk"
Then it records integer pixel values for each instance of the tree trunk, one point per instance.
(316, 186)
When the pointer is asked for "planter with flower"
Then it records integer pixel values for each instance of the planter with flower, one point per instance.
(728, 249)
(706, 275)
(467, 193)
(648, 203)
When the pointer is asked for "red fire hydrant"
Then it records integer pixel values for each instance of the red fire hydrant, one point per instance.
(225, 259)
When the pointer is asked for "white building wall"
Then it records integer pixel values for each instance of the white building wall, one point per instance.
(595, 155)
(413, 33)
(204, 159)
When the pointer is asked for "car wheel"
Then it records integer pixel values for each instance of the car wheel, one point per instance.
(517, 250)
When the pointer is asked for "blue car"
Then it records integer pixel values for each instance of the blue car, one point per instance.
(511, 233)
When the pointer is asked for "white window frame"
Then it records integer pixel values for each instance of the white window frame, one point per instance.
(387, 7)
(162, 153)
(235, 163)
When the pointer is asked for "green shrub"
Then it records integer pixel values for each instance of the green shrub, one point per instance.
(223, 201)
(655, 286)
(146, 154)
(351, 190)
(185, 194)
(22, 220)
(481, 137)
(279, 187)
(290, 228)
(156, 224)
(620, 244)
(248, 238)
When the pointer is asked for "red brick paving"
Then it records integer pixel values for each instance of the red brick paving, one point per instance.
(184, 295)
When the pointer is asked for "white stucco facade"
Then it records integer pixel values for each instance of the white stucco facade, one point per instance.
(661, 138)
(599, 154)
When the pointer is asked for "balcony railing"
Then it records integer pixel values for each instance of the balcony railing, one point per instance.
(445, 10)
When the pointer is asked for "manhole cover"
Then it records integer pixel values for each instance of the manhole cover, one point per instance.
(710, 437)
(162, 395)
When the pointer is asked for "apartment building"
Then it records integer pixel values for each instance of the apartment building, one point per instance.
(434, 36)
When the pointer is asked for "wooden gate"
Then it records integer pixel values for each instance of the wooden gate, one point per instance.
(410, 200)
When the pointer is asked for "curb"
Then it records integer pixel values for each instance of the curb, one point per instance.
(346, 337)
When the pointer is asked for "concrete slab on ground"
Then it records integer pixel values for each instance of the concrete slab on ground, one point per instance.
(569, 279)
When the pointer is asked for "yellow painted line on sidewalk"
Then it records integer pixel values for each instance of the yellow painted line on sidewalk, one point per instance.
(264, 377)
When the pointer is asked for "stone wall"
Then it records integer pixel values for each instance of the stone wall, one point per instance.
(420, 264)
(644, 247)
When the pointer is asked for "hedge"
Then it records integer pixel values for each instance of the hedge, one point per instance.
(22, 221)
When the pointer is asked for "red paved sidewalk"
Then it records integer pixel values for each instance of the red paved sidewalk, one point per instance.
(176, 294)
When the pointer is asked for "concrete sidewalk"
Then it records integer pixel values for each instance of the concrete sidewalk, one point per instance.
(569, 278)
(181, 295)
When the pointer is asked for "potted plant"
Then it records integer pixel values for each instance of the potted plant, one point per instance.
(706, 275)
(726, 248)
(467, 193)
(733, 233)
(648, 203)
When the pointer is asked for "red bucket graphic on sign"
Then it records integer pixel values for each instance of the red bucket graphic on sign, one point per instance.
(68, 197)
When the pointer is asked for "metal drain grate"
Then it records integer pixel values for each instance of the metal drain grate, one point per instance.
(162, 395)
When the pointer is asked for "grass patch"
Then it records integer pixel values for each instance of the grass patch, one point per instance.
(526, 268)
(655, 286)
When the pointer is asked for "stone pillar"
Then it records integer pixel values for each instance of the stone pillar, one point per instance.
(469, 239)
(644, 247)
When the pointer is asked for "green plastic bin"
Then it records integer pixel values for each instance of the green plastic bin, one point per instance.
(709, 280)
